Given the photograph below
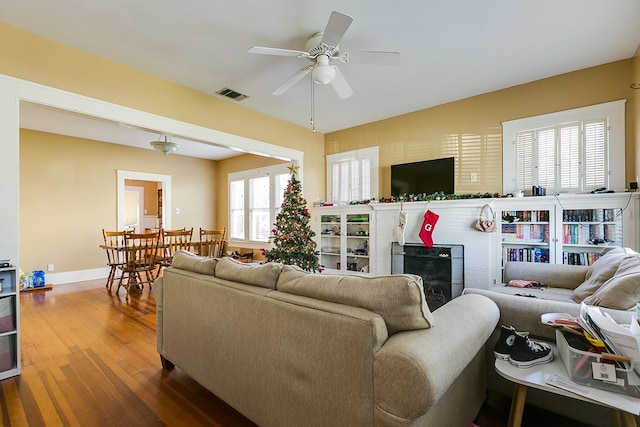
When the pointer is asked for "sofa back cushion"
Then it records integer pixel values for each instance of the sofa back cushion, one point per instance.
(185, 260)
(622, 291)
(598, 273)
(264, 275)
(399, 299)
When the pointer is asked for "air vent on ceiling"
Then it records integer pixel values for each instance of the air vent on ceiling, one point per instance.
(230, 93)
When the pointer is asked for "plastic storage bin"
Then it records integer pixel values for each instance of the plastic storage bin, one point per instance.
(7, 352)
(7, 314)
(579, 367)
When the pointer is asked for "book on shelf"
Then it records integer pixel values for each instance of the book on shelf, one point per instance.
(580, 258)
(525, 254)
(527, 216)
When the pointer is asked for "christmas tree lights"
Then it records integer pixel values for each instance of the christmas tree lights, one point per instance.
(292, 236)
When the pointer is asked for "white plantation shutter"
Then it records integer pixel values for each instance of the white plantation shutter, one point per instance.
(352, 175)
(546, 158)
(596, 170)
(524, 160)
(365, 182)
(589, 149)
(570, 158)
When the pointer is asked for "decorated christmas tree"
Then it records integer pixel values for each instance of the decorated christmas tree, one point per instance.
(292, 237)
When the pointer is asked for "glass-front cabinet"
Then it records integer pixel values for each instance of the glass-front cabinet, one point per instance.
(345, 239)
(566, 229)
(9, 323)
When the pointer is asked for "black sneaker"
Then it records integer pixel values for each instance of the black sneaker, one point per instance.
(503, 347)
(526, 353)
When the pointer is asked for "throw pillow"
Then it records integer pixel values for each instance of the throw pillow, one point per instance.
(399, 299)
(263, 275)
(598, 273)
(622, 291)
(185, 260)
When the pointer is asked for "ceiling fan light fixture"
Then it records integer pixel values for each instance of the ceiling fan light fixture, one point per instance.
(165, 146)
(323, 73)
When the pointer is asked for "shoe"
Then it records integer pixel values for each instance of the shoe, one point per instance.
(503, 347)
(526, 353)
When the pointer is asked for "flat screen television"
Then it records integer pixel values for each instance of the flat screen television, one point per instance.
(429, 176)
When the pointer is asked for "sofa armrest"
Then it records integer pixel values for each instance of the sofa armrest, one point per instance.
(556, 275)
(424, 363)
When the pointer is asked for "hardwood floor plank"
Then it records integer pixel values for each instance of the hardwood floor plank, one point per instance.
(64, 412)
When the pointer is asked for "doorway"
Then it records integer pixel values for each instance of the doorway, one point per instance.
(133, 208)
(163, 182)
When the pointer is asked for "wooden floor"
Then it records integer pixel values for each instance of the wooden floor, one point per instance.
(89, 359)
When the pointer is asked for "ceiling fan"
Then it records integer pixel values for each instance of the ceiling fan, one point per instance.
(321, 49)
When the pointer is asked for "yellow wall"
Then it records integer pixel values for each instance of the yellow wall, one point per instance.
(150, 194)
(68, 195)
(471, 131)
(36, 59)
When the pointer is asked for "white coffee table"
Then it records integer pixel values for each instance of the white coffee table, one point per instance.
(536, 377)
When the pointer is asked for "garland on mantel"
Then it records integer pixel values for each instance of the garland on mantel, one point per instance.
(423, 197)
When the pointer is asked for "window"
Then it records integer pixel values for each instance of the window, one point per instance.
(255, 198)
(566, 152)
(352, 175)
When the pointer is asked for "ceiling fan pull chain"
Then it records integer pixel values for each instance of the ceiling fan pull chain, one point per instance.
(313, 103)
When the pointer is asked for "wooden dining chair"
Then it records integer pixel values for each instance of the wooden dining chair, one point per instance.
(172, 241)
(139, 252)
(212, 243)
(113, 240)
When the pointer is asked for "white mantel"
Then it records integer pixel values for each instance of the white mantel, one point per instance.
(482, 251)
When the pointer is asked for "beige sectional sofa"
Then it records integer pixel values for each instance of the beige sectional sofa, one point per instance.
(288, 348)
(613, 283)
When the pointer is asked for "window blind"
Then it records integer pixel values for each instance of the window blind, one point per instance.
(352, 175)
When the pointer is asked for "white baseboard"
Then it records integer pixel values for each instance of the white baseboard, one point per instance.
(76, 276)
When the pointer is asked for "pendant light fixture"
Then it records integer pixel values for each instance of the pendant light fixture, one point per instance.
(165, 146)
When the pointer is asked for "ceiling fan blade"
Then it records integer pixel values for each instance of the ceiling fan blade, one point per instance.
(335, 29)
(292, 80)
(341, 86)
(374, 57)
(279, 52)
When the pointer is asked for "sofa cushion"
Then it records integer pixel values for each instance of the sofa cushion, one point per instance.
(185, 260)
(599, 272)
(264, 275)
(622, 291)
(399, 299)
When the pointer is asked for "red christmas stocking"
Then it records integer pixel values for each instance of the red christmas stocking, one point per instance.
(430, 219)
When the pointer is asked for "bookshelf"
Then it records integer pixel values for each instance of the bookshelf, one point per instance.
(587, 232)
(9, 323)
(568, 229)
(525, 235)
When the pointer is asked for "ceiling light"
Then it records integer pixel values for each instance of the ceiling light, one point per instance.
(165, 146)
(323, 73)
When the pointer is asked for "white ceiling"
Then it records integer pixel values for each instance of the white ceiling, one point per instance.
(451, 49)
